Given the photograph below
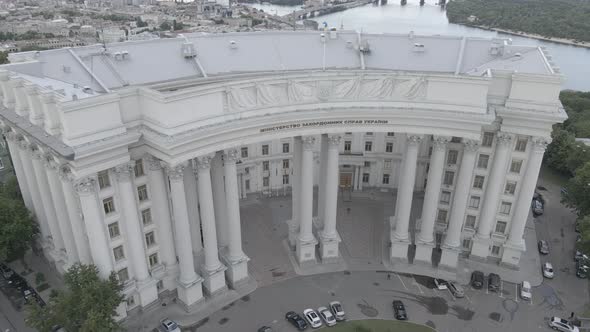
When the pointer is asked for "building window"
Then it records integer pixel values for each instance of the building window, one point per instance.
(521, 145)
(478, 181)
(449, 178)
(488, 139)
(285, 163)
(495, 250)
(285, 147)
(123, 275)
(441, 216)
(114, 230)
(510, 188)
(138, 168)
(474, 202)
(348, 133)
(142, 193)
(1, 162)
(466, 243)
(452, 157)
(265, 181)
(387, 163)
(265, 165)
(103, 179)
(390, 134)
(500, 227)
(369, 133)
(365, 177)
(118, 253)
(389, 147)
(470, 222)
(505, 207)
(347, 146)
(515, 166)
(483, 160)
(286, 179)
(385, 178)
(368, 146)
(430, 151)
(367, 164)
(146, 217)
(247, 184)
(455, 139)
(150, 239)
(130, 301)
(445, 197)
(153, 259)
(244, 152)
(160, 285)
(109, 205)
(265, 150)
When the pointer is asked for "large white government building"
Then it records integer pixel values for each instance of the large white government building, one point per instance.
(135, 157)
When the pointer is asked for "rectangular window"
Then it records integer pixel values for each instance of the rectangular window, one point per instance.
(452, 157)
(142, 193)
(365, 177)
(483, 160)
(367, 164)
(387, 163)
(114, 231)
(265, 150)
(103, 179)
(285, 163)
(244, 152)
(470, 222)
(138, 168)
(369, 133)
(441, 216)
(130, 301)
(389, 147)
(146, 217)
(385, 178)
(118, 253)
(265, 165)
(248, 184)
(510, 188)
(521, 145)
(445, 197)
(390, 134)
(1, 162)
(150, 239)
(467, 243)
(496, 250)
(109, 205)
(474, 202)
(265, 181)
(285, 147)
(123, 275)
(449, 178)
(515, 166)
(455, 139)
(500, 227)
(154, 260)
(347, 146)
(505, 207)
(286, 179)
(478, 181)
(488, 139)
(368, 146)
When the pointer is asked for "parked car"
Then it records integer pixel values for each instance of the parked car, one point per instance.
(6, 271)
(168, 325)
(327, 316)
(29, 295)
(548, 270)
(440, 284)
(577, 227)
(18, 282)
(494, 282)
(537, 207)
(525, 290)
(337, 310)
(296, 320)
(579, 255)
(582, 269)
(456, 289)
(559, 324)
(312, 318)
(477, 279)
(543, 247)
(265, 329)
(399, 310)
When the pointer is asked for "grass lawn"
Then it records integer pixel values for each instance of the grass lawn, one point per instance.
(378, 325)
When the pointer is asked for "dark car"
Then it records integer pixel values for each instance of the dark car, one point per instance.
(399, 310)
(537, 206)
(296, 320)
(265, 329)
(477, 279)
(581, 269)
(6, 271)
(493, 282)
(543, 247)
(18, 282)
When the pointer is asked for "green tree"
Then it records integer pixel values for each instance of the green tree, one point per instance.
(578, 191)
(87, 303)
(578, 156)
(560, 149)
(165, 26)
(584, 244)
(17, 227)
(3, 58)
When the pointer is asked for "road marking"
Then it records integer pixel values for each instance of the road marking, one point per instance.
(468, 299)
(501, 288)
(400, 279)
(452, 295)
(417, 285)
(516, 292)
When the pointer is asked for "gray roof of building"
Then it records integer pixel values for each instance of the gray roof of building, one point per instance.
(161, 60)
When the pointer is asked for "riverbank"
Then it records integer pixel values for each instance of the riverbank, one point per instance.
(532, 35)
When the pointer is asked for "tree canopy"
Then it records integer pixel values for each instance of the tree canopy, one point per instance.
(17, 227)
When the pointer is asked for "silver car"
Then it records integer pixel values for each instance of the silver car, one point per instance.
(337, 310)
(456, 289)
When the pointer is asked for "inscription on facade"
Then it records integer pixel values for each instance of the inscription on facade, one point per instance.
(331, 123)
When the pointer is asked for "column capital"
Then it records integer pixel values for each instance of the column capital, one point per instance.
(414, 139)
(440, 142)
(539, 143)
(231, 156)
(36, 153)
(308, 142)
(471, 145)
(31, 89)
(124, 172)
(154, 164)
(49, 161)
(334, 141)
(85, 186)
(12, 136)
(204, 162)
(47, 97)
(175, 172)
(65, 173)
(504, 138)
(23, 144)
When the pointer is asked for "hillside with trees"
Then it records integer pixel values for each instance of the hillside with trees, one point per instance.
(568, 19)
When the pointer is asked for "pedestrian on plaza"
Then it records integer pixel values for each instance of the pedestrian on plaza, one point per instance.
(388, 276)
(572, 315)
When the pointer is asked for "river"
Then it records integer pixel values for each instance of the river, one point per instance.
(430, 19)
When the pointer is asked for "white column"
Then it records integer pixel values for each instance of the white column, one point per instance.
(355, 185)
(7, 92)
(61, 211)
(403, 206)
(322, 177)
(329, 237)
(295, 192)
(450, 248)
(425, 241)
(306, 241)
(192, 201)
(360, 177)
(495, 183)
(11, 138)
(213, 269)
(99, 245)
(71, 202)
(219, 203)
(189, 282)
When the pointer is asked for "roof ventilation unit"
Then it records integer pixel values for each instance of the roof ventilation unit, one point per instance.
(333, 34)
(322, 38)
(556, 69)
(496, 49)
(118, 56)
(411, 35)
(233, 45)
(188, 50)
(125, 54)
(419, 48)
(349, 44)
(66, 69)
(87, 89)
(364, 47)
